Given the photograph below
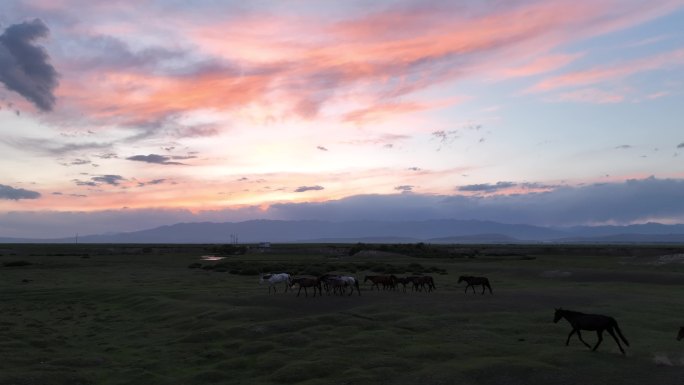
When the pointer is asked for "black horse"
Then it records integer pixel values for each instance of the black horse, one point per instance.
(472, 281)
(681, 333)
(423, 282)
(593, 322)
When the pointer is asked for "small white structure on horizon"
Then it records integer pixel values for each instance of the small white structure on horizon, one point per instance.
(264, 245)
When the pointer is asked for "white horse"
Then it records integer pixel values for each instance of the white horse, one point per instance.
(352, 282)
(273, 279)
(341, 282)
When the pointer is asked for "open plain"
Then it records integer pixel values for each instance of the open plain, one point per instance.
(159, 314)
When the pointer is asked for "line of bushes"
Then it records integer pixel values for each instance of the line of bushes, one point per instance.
(316, 269)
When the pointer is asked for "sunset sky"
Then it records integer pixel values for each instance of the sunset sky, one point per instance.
(125, 115)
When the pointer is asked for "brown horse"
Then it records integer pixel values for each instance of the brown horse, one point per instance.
(472, 281)
(423, 282)
(594, 322)
(387, 281)
(405, 281)
(304, 282)
(681, 333)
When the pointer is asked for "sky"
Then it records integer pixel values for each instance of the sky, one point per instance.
(126, 115)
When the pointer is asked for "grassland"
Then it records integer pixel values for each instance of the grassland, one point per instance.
(111, 314)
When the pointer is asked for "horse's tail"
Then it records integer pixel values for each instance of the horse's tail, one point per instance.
(617, 329)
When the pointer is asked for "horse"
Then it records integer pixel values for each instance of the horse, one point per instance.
(472, 281)
(305, 282)
(352, 282)
(681, 333)
(419, 283)
(334, 283)
(599, 323)
(404, 281)
(385, 280)
(273, 279)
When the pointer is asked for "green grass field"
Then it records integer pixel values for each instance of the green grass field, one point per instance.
(86, 314)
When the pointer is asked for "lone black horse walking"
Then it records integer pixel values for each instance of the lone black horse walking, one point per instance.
(681, 334)
(472, 281)
(594, 322)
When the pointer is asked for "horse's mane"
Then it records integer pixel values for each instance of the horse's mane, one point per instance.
(572, 312)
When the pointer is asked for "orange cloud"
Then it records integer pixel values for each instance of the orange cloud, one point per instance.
(299, 64)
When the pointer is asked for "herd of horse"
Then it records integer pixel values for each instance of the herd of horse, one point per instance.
(336, 284)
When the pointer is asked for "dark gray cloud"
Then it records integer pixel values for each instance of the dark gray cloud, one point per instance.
(623, 147)
(24, 67)
(85, 183)
(46, 146)
(104, 52)
(157, 159)
(537, 186)
(445, 138)
(633, 201)
(11, 193)
(414, 168)
(680, 145)
(637, 200)
(321, 148)
(486, 187)
(308, 188)
(404, 188)
(79, 162)
(152, 182)
(112, 180)
(108, 155)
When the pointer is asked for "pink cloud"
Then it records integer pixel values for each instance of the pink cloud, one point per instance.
(602, 74)
(299, 64)
(540, 65)
(590, 95)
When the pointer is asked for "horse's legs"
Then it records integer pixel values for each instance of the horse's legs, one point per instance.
(490, 289)
(567, 342)
(300, 290)
(483, 289)
(599, 333)
(612, 333)
(579, 335)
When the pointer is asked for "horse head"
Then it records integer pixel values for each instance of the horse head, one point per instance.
(681, 333)
(462, 278)
(558, 314)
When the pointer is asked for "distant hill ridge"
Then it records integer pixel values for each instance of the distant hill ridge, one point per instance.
(432, 231)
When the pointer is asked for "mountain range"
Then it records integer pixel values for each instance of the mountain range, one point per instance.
(430, 231)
